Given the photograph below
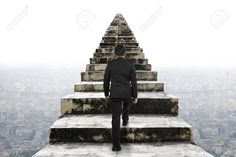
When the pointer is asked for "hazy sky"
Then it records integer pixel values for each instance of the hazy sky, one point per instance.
(67, 32)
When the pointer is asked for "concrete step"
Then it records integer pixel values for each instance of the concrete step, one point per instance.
(127, 34)
(129, 44)
(120, 29)
(104, 60)
(165, 149)
(115, 39)
(128, 55)
(97, 128)
(113, 46)
(95, 103)
(141, 75)
(122, 40)
(111, 50)
(115, 31)
(87, 86)
(102, 67)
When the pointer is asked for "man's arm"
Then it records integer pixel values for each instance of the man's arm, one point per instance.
(133, 83)
(106, 80)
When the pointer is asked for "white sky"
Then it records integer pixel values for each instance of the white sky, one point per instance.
(67, 32)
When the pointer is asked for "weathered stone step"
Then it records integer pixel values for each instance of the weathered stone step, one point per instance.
(95, 103)
(130, 44)
(128, 34)
(128, 55)
(99, 60)
(121, 38)
(121, 41)
(123, 32)
(102, 67)
(109, 50)
(113, 45)
(141, 128)
(99, 75)
(164, 149)
(120, 29)
(87, 86)
(120, 35)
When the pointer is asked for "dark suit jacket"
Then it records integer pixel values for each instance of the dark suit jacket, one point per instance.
(122, 75)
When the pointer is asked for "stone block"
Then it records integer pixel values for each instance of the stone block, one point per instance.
(102, 67)
(142, 128)
(164, 149)
(95, 103)
(113, 45)
(114, 34)
(128, 55)
(111, 50)
(100, 60)
(108, 39)
(99, 75)
(87, 86)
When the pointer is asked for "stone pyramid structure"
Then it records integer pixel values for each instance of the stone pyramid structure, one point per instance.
(84, 127)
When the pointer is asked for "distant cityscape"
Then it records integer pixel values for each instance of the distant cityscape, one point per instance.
(30, 103)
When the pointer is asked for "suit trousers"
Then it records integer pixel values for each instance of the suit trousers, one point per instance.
(118, 106)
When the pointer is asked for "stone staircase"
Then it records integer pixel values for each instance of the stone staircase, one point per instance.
(84, 127)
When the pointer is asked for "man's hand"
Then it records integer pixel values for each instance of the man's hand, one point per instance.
(135, 101)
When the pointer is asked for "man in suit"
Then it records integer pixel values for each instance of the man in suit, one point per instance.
(123, 91)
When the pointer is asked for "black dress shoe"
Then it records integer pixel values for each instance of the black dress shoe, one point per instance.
(116, 148)
(125, 123)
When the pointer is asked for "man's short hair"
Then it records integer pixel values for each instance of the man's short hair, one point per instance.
(119, 50)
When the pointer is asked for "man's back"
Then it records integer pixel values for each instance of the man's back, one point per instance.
(122, 75)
